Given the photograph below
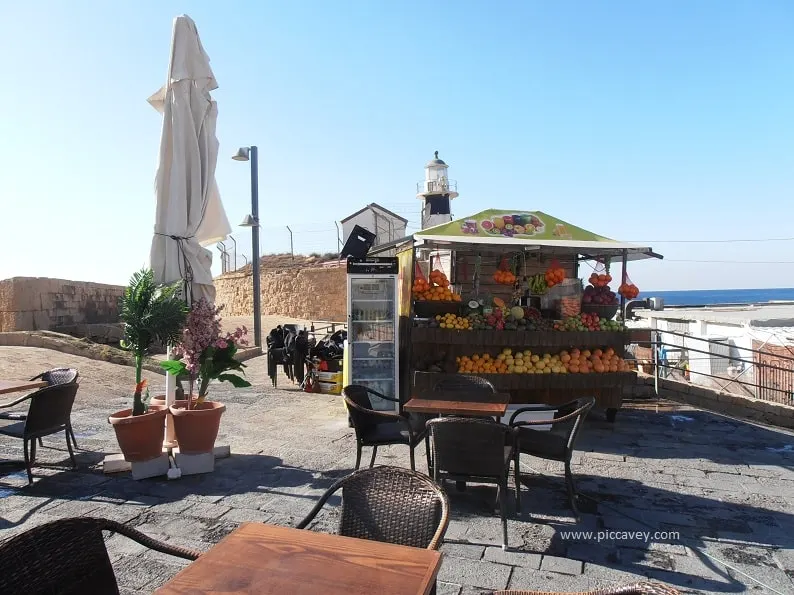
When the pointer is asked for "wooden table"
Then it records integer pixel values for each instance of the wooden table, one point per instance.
(452, 404)
(263, 559)
(13, 386)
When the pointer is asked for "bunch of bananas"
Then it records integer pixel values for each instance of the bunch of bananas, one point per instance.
(537, 284)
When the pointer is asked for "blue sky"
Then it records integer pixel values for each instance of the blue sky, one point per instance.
(642, 121)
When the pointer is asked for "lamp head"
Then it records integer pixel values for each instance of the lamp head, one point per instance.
(249, 221)
(242, 154)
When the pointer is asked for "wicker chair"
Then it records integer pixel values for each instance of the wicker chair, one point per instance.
(380, 428)
(466, 387)
(48, 413)
(556, 444)
(465, 449)
(68, 557)
(390, 504)
(633, 589)
(53, 377)
(465, 383)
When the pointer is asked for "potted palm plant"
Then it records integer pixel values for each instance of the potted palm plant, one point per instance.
(203, 354)
(150, 313)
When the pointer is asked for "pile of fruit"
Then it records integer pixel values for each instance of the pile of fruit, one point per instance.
(598, 362)
(628, 290)
(504, 277)
(554, 276)
(587, 322)
(453, 321)
(524, 361)
(599, 295)
(570, 305)
(537, 284)
(437, 289)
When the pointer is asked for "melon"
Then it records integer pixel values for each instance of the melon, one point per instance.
(498, 302)
(517, 312)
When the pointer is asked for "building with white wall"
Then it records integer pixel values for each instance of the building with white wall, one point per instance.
(728, 335)
(386, 226)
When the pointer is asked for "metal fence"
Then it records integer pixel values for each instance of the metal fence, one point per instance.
(764, 373)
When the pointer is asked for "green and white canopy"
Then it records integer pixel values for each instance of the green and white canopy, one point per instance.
(527, 230)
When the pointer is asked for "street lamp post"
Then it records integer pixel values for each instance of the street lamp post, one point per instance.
(252, 221)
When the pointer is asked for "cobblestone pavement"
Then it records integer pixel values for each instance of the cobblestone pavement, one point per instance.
(726, 487)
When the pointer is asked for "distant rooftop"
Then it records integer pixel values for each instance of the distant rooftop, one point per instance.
(772, 314)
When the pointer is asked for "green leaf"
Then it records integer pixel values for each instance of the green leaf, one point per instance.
(174, 367)
(234, 380)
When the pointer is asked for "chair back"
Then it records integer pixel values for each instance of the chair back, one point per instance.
(67, 557)
(50, 409)
(570, 428)
(58, 376)
(464, 446)
(466, 384)
(358, 403)
(393, 505)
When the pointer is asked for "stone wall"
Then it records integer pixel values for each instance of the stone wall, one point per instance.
(29, 303)
(759, 410)
(306, 293)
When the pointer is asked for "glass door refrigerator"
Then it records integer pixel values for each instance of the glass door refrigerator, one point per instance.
(371, 352)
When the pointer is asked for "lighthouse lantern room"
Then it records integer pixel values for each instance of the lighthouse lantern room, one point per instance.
(436, 192)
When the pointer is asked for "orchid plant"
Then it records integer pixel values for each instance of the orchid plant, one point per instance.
(205, 353)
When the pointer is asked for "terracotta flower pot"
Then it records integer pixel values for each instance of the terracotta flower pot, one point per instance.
(140, 437)
(196, 429)
(159, 400)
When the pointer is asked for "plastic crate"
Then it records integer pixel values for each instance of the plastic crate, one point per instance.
(330, 388)
(333, 377)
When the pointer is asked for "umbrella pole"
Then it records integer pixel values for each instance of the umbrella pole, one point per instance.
(170, 391)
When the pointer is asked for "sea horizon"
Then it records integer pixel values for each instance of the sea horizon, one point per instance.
(710, 297)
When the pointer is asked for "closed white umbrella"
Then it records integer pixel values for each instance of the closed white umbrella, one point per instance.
(190, 214)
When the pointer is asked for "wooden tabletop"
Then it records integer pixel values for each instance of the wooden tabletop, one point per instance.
(452, 404)
(13, 386)
(263, 559)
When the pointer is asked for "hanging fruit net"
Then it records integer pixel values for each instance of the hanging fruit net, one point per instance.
(600, 276)
(628, 289)
(503, 274)
(555, 274)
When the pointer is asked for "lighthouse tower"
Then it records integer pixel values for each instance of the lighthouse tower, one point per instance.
(436, 192)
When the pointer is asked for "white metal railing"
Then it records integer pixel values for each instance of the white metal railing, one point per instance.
(443, 185)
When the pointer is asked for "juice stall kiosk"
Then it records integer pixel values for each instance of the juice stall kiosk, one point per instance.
(498, 295)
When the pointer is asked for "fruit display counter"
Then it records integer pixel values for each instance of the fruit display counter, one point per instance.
(499, 295)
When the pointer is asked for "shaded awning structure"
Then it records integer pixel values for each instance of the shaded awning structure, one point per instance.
(531, 231)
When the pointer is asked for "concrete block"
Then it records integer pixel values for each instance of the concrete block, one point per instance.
(151, 468)
(562, 565)
(512, 558)
(194, 464)
(222, 452)
(115, 464)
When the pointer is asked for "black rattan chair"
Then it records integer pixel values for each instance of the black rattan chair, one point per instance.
(466, 387)
(390, 504)
(556, 444)
(465, 383)
(633, 589)
(473, 450)
(380, 428)
(68, 557)
(48, 413)
(53, 377)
